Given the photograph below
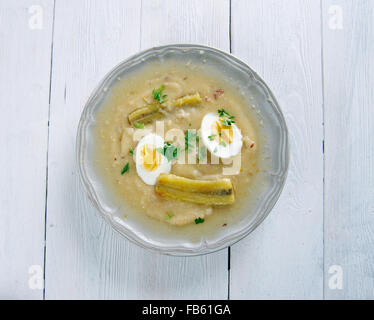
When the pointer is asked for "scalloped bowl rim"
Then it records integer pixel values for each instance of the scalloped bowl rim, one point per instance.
(131, 234)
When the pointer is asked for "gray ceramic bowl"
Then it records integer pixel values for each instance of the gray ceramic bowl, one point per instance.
(274, 126)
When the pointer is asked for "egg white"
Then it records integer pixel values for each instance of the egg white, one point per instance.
(150, 177)
(225, 152)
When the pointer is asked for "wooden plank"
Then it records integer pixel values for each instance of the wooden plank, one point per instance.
(179, 21)
(204, 22)
(348, 32)
(25, 55)
(85, 259)
(283, 258)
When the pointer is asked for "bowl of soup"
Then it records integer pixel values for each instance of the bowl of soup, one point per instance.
(183, 149)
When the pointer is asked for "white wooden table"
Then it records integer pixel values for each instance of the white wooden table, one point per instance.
(316, 55)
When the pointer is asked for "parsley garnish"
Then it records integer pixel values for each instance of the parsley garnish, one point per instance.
(157, 94)
(139, 125)
(223, 113)
(125, 168)
(199, 220)
(211, 137)
(227, 123)
(169, 151)
(169, 216)
(131, 151)
(202, 154)
(227, 118)
(190, 138)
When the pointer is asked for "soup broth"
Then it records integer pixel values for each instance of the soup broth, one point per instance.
(117, 140)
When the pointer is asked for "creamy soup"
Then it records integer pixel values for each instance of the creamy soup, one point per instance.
(207, 136)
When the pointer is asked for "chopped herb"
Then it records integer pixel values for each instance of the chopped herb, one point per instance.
(157, 94)
(224, 113)
(131, 151)
(125, 168)
(139, 125)
(169, 216)
(202, 154)
(199, 220)
(190, 138)
(223, 143)
(211, 137)
(227, 118)
(227, 123)
(169, 151)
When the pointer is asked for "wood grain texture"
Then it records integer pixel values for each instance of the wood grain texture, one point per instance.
(283, 258)
(85, 259)
(24, 92)
(180, 21)
(349, 148)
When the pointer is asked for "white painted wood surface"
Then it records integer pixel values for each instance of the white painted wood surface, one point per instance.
(283, 258)
(90, 260)
(349, 147)
(24, 93)
(319, 74)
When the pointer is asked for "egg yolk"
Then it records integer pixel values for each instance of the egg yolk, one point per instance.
(151, 157)
(223, 133)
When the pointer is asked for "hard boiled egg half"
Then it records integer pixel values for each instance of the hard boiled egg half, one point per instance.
(221, 140)
(150, 162)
